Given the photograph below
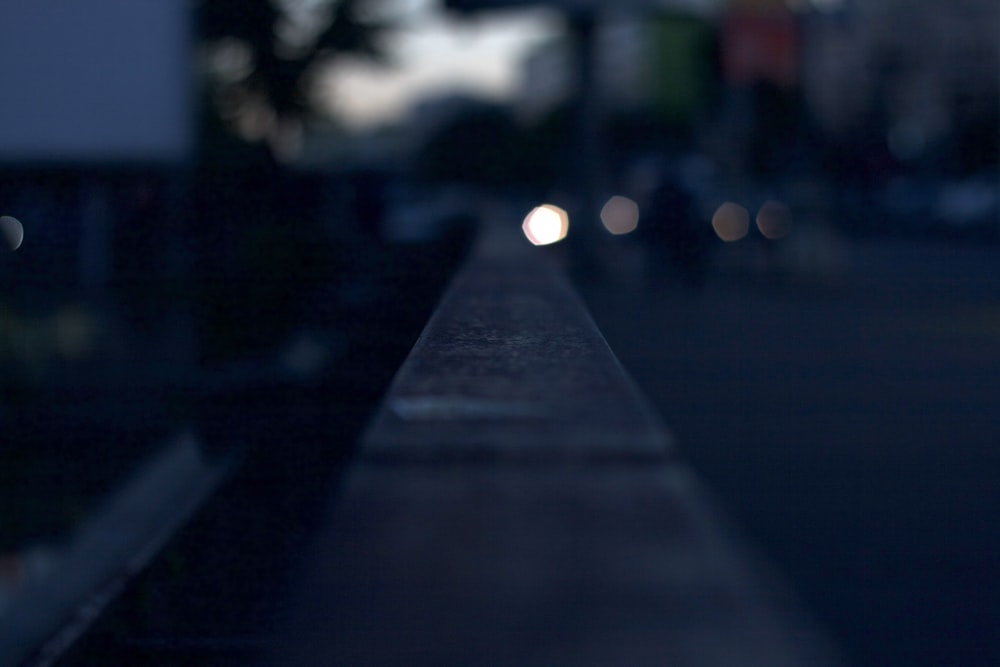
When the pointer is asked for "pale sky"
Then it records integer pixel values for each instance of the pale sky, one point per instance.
(436, 53)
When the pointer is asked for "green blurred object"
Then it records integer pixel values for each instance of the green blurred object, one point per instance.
(682, 76)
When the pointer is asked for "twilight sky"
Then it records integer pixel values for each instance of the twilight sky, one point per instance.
(436, 52)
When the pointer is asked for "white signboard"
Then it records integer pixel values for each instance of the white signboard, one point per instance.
(85, 81)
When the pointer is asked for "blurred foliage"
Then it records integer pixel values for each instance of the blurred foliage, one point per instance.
(260, 250)
(260, 55)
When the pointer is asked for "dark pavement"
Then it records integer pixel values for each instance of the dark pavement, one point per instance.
(849, 423)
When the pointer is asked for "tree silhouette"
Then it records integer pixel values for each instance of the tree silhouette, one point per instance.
(267, 50)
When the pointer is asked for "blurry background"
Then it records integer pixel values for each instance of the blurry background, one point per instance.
(784, 215)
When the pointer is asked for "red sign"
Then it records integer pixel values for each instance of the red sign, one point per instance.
(760, 46)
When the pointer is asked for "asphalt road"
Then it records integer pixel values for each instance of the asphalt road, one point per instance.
(848, 420)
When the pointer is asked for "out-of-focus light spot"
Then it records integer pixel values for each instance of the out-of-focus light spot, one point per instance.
(731, 222)
(255, 121)
(546, 224)
(12, 231)
(774, 220)
(620, 215)
(230, 61)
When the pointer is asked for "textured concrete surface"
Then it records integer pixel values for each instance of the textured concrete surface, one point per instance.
(511, 368)
(594, 566)
(516, 503)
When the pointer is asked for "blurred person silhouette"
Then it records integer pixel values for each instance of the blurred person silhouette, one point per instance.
(675, 239)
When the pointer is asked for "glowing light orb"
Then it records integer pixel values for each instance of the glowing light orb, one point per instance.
(12, 231)
(546, 224)
(620, 215)
(731, 222)
(774, 220)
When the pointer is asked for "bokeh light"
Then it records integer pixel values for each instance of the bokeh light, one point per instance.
(731, 222)
(774, 220)
(546, 224)
(12, 232)
(620, 215)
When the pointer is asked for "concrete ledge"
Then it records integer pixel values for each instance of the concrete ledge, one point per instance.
(515, 502)
(511, 368)
(472, 566)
